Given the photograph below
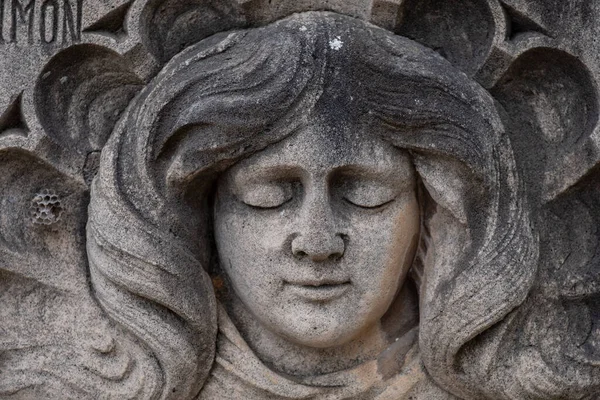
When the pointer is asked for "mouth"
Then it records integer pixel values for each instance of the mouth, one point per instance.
(319, 291)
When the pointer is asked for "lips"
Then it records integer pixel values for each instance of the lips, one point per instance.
(318, 290)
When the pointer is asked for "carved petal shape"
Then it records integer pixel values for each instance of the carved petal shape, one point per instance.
(463, 33)
(551, 100)
(55, 341)
(41, 216)
(561, 326)
(170, 26)
(81, 94)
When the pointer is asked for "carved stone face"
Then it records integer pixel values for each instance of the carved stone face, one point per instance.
(318, 232)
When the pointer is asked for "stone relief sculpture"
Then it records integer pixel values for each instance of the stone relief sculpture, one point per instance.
(276, 200)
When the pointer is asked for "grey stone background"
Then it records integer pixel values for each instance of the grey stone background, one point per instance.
(68, 69)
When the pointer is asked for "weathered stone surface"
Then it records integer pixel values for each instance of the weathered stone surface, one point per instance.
(252, 199)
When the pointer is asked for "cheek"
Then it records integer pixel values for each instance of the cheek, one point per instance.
(404, 237)
(386, 246)
(249, 247)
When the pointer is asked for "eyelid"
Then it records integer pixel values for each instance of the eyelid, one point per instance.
(367, 194)
(265, 195)
(375, 207)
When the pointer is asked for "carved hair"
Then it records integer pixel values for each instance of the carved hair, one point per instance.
(234, 94)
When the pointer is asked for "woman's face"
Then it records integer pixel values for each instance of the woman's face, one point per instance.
(317, 233)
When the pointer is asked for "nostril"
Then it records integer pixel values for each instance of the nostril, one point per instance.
(335, 256)
(300, 254)
(318, 248)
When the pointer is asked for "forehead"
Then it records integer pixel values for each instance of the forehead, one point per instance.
(325, 144)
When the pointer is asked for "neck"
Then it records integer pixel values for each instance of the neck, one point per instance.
(294, 359)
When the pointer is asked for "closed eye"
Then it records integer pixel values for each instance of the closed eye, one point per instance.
(269, 207)
(265, 195)
(370, 207)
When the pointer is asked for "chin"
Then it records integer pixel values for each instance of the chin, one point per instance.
(323, 337)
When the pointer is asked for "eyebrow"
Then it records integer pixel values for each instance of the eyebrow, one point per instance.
(373, 170)
(366, 167)
(269, 171)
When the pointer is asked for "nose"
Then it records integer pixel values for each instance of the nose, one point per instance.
(311, 247)
(317, 238)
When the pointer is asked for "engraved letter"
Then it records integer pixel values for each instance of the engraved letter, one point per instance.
(70, 24)
(44, 20)
(2, 21)
(26, 15)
